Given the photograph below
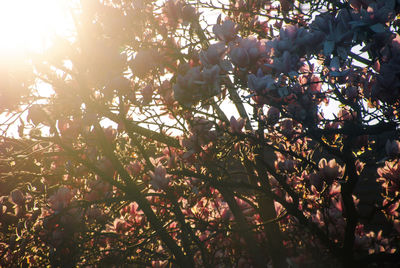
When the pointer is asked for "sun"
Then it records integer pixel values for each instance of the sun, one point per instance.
(29, 25)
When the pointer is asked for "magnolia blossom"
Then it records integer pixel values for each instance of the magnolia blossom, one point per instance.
(201, 134)
(172, 11)
(286, 38)
(213, 55)
(247, 52)
(99, 189)
(260, 82)
(147, 93)
(391, 209)
(237, 125)
(200, 125)
(239, 57)
(159, 264)
(144, 61)
(287, 63)
(210, 75)
(316, 181)
(119, 83)
(197, 84)
(390, 176)
(120, 225)
(176, 11)
(61, 199)
(330, 171)
(134, 168)
(226, 31)
(159, 180)
(188, 13)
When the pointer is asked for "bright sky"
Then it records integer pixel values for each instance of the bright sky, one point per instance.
(29, 24)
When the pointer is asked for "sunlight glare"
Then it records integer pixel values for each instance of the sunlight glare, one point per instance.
(28, 25)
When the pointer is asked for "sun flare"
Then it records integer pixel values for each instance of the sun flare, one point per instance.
(28, 25)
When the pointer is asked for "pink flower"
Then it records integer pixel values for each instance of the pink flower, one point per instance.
(330, 171)
(247, 210)
(210, 75)
(226, 31)
(240, 57)
(318, 218)
(197, 84)
(315, 84)
(172, 11)
(159, 264)
(286, 63)
(120, 225)
(391, 210)
(278, 208)
(134, 168)
(188, 13)
(147, 93)
(213, 55)
(260, 82)
(99, 189)
(390, 176)
(359, 166)
(226, 214)
(159, 181)
(119, 83)
(253, 47)
(144, 61)
(200, 125)
(316, 181)
(61, 198)
(237, 125)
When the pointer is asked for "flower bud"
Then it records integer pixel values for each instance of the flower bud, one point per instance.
(236, 125)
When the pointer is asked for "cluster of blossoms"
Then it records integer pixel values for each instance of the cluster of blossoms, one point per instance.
(176, 180)
(197, 84)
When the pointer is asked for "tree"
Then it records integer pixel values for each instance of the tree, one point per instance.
(133, 160)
